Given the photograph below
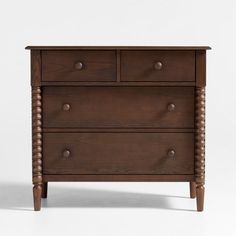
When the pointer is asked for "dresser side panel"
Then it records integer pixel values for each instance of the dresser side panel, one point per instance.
(201, 68)
(35, 68)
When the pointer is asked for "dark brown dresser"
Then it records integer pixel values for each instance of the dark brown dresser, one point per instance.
(118, 114)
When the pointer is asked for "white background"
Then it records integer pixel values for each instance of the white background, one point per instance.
(117, 208)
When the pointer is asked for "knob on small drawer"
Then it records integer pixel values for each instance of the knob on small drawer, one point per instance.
(66, 107)
(66, 153)
(171, 107)
(79, 65)
(158, 65)
(171, 153)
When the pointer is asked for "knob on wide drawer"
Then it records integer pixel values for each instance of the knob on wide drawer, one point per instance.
(171, 153)
(66, 107)
(79, 65)
(66, 153)
(171, 107)
(158, 65)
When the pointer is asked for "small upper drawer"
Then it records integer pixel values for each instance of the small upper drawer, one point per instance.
(79, 65)
(157, 66)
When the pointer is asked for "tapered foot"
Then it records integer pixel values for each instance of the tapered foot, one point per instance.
(192, 186)
(37, 192)
(200, 197)
(45, 190)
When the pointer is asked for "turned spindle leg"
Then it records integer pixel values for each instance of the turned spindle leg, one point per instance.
(37, 192)
(200, 146)
(200, 197)
(37, 146)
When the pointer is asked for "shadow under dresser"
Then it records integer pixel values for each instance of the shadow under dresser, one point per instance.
(118, 114)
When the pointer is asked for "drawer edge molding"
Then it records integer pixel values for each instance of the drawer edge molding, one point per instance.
(118, 130)
(122, 178)
(120, 83)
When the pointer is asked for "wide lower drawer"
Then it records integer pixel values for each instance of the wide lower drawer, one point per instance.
(118, 153)
(128, 107)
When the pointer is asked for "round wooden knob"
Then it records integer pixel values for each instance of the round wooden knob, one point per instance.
(158, 65)
(66, 107)
(66, 153)
(171, 107)
(171, 153)
(78, 65)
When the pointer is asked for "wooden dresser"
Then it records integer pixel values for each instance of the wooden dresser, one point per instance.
(118, 114)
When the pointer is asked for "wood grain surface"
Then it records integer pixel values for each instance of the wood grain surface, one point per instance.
(140, 65)
(118, 153)
(124, 107)
(96, 66)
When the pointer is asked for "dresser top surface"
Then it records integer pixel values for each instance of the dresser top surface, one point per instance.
(118, 47)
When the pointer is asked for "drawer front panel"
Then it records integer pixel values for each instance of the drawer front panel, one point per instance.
(158, 66)
(118, 153)
(79, 66)
(127, 107)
